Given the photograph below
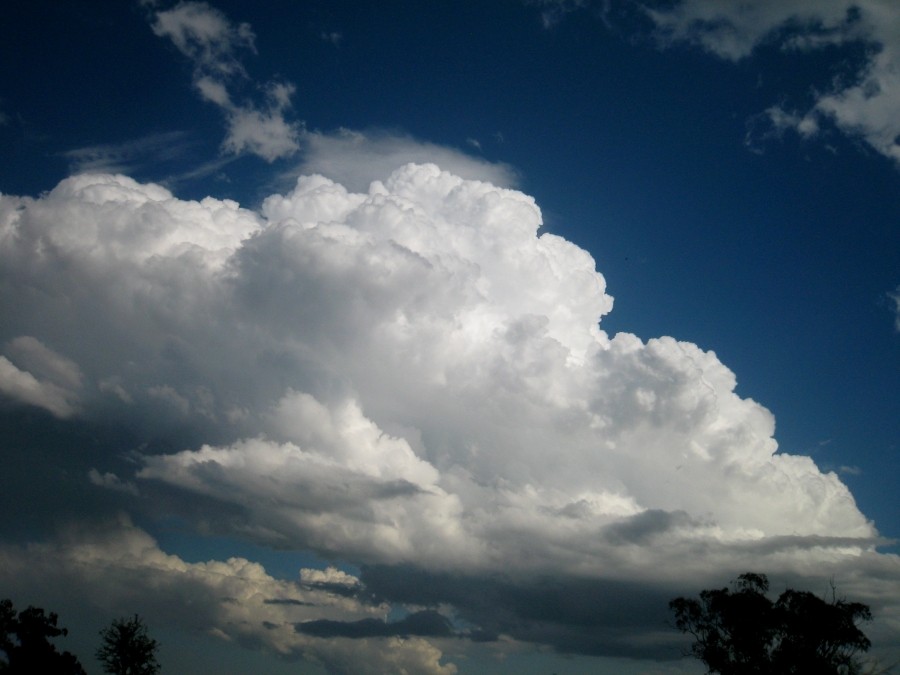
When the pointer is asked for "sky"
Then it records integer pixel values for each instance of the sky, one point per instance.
(446, 337)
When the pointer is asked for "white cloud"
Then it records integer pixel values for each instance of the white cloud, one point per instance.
(263, 132)
(212, 42)
(866, 105)
(205, 35)
(355, 159)
(412, 375)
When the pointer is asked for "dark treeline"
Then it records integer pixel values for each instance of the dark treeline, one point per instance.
(25, 643)
(741, 631)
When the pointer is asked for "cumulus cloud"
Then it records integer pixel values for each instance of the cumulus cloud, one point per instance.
(864, 105)
(213, 43)
(413, 378)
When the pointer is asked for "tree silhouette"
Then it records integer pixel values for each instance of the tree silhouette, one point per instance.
(25, 639)
(127, 649)
(740, 631)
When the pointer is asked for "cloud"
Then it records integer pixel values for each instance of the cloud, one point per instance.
(262, 127)
(355, 158)
(865, 104)
(213, 43)
(552, 11)
(264, 132)
(117, 566)
(427, 622)
(49, 380)
(130, 156)
(206, 36)
(111, 481)
(895, 298)
(412, 378)
(333, 37)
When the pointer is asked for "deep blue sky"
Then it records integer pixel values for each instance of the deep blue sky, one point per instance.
(709, 222)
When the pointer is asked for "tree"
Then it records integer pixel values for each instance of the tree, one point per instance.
(24, 638)
(740, 631)
(127, 649)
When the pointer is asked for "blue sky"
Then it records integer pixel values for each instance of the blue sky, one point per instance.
(567, 275)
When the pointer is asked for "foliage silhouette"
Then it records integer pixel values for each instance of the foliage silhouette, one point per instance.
(25, 639)
(740, 631)
(127, 649)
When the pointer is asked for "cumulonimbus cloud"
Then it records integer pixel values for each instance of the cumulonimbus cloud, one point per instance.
(412, 378)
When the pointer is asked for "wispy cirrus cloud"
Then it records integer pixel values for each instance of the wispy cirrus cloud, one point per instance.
(131, 156)
(552, 11)
(214, 44)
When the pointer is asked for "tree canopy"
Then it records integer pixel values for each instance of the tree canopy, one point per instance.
(127, 649)
(25, 640)
(740, 631)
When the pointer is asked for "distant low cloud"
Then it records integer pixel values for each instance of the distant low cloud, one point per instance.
(412, 378)
(213, 43)
(864, 104)
(428, 623)
(116, 565)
